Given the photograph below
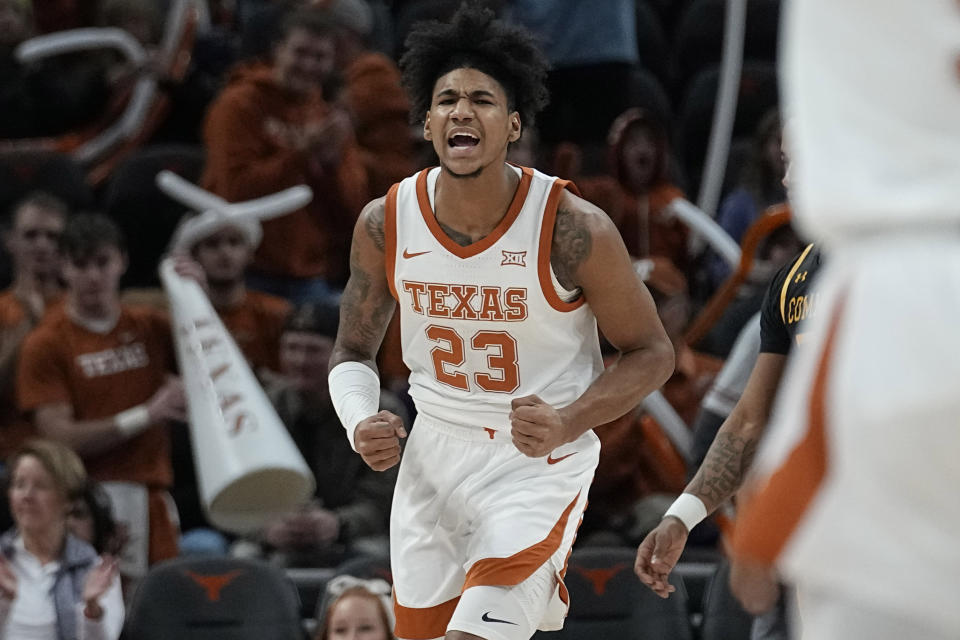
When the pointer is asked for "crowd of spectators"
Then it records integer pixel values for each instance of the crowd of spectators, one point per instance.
(281, 93)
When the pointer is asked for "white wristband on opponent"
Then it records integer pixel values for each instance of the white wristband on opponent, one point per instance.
(689, 509)
(132, 421)
(355, 393)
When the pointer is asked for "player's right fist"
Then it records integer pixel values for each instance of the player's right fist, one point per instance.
(377, 440)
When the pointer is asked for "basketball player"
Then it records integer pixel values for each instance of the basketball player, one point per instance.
(502, 276)
(856, 484)
(787, 307)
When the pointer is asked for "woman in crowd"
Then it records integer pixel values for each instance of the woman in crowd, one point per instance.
(53, 586)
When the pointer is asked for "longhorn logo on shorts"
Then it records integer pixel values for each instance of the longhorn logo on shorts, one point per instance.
(518, 258)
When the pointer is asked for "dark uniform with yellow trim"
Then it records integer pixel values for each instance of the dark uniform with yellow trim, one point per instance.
(788, 303)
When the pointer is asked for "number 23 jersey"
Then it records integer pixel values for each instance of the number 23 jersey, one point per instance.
(488, 322)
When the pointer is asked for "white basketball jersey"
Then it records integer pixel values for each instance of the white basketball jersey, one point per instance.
(483, 324)
(872, 104)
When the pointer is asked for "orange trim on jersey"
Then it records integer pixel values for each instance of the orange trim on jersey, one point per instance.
(546, 243)
(521, 565)
(423, 624)
(490, 239)
(390, 238)
(770, 517)
(564, 594)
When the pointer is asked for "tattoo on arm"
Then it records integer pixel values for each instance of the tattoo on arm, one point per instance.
(572, 244)
(723, 469)
(364, 317)
(459, 237)
(374, 225)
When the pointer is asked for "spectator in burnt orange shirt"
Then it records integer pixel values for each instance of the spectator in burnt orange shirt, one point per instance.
(272, 128)
(224, 249)
(35, 229)
(97, 376)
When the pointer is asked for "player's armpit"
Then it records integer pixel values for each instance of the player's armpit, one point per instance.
(367, 305)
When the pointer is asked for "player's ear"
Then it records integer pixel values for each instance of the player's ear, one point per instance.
(427, 134)
(515, 127)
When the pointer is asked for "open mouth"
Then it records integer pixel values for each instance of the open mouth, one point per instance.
(463, 140)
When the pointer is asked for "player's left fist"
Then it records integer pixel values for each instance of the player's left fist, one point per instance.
(537, 428)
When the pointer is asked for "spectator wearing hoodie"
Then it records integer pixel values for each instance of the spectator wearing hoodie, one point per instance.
(270, 129)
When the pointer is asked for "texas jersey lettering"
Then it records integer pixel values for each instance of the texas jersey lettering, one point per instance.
(487, 322)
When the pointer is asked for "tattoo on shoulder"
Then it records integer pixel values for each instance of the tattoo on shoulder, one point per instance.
(374, 224)
(571, 246)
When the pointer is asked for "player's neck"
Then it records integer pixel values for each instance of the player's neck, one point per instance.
(226, 295)
(475, 205)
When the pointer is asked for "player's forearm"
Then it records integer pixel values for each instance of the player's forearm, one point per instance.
(620, 387)
(726, 462)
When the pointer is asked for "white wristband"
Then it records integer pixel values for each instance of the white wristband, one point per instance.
(132, 421)
(689, 509)
(355, 393)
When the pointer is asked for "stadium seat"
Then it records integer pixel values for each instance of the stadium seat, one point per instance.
(214, 599)
(698, 42)
(652, 41)
(144, 213)
(723, 617)
(758, 94)
(608, 601)
(22, 172)
(646, 91)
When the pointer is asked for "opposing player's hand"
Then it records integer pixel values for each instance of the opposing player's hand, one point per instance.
(755, 586)
(378, 440)
(537, 428)
(658, 554)
(169, 402)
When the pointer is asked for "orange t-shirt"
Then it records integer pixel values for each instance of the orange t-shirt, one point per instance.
(100, 375)
(15, 429)
(256, 325)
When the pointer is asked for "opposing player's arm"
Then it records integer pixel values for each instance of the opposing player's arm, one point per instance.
(366, 306)
(589, 253)
(732, 451)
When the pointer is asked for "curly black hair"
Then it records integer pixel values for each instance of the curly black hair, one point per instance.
(474, 38)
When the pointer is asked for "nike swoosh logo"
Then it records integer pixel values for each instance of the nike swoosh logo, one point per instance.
(552, 460)
(407, 255)
(486, 618)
